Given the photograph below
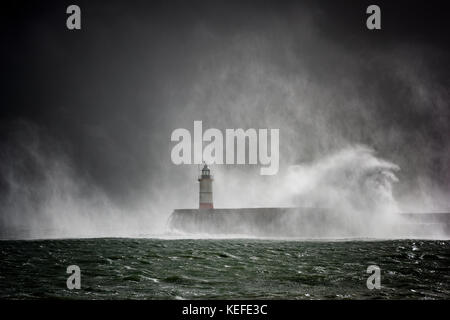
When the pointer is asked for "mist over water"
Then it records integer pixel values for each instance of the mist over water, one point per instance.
(46, 198)
(353, 182)
(352, 178)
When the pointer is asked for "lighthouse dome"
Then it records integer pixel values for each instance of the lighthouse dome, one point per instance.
(205, 170)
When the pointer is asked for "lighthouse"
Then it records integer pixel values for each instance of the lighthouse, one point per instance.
(205, 196)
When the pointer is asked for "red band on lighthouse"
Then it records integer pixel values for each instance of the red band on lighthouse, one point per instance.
(206, 206)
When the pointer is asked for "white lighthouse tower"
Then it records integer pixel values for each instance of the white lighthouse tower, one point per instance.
(206, 196)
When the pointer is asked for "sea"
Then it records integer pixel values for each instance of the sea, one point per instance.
(156, 268)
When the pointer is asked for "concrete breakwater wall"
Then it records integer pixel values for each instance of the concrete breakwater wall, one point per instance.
(305, 223)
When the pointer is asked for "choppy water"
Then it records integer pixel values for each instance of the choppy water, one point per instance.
(224, 269)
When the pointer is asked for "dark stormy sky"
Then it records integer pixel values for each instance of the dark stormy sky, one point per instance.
(86, 116)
